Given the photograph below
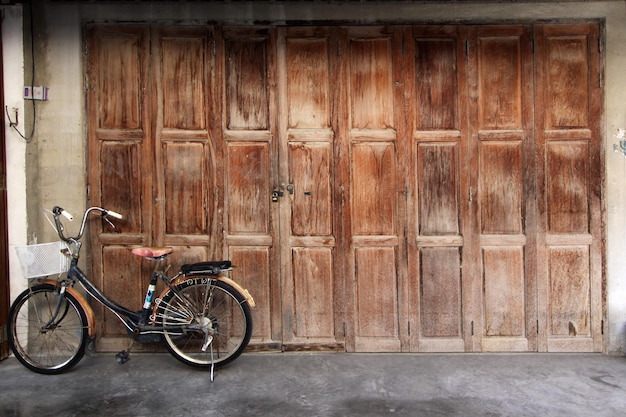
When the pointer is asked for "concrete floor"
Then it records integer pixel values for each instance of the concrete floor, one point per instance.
(325, 384)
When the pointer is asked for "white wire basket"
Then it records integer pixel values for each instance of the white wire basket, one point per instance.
(44, 259)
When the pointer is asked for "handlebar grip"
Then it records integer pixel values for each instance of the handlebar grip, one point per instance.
(67, 215)
(114, 214)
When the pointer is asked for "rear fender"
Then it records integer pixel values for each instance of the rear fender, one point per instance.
(227, 280)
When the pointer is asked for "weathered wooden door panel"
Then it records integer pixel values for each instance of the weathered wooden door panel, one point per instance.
(569, 125)
(187, 171)
(120, 165)
(436, 81)
(501, 192)
(373, 139)
(312, 288)
(250, 165)
(378, 188)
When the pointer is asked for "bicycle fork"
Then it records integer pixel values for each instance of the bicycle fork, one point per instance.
(51, 324)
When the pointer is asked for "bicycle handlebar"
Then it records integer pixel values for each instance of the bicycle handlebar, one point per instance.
(114, 214)
(59, 211)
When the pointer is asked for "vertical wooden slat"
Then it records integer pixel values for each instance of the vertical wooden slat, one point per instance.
(436, 91)
(120, 164)
(248, 61)
(312, 289)
(187, 152)
(375, 132)
(569, 136)
(502, 191)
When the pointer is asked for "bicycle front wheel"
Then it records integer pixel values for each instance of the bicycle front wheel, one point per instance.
(47, 332)
(208, 322)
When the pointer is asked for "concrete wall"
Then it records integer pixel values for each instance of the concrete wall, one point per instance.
(56, 159)
(16, 146)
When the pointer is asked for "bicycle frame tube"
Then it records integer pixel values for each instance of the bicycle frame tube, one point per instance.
(75, 273)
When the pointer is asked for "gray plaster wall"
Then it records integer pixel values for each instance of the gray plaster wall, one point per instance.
(55, 160)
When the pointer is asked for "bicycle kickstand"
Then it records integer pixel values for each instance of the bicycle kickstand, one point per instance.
(124, 356)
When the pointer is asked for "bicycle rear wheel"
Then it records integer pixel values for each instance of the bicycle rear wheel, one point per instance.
(208, 314)
(42, 341)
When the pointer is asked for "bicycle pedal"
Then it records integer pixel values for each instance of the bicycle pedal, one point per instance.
(122, 357)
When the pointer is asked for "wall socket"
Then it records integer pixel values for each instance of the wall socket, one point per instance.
(35, 93)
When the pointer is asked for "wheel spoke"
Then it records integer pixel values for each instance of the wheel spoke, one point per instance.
(42, 342)
(218, 311)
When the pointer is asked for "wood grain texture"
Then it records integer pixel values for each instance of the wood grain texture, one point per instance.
(439, 186)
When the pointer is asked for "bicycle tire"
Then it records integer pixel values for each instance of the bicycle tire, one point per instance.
(213, 304)
(42, 346)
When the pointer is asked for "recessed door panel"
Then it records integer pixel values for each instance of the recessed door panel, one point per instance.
(379, 188)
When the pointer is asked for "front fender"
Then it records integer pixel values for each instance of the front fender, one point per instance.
(91, 317)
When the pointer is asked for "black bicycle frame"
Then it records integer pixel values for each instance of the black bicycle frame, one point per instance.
(75, 273)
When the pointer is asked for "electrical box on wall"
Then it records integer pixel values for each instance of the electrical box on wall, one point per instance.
(35, 93)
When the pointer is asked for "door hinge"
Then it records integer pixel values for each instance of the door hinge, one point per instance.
(3, 334)
(601, 192)
(600, 45)
(472, 328)
(600, 80)
(409, 328)
(467, 47)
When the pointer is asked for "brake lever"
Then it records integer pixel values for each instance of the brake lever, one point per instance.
(106, 219)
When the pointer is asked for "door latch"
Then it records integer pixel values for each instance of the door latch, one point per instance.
(275, 195)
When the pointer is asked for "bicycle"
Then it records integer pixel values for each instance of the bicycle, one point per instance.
(203, 316)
